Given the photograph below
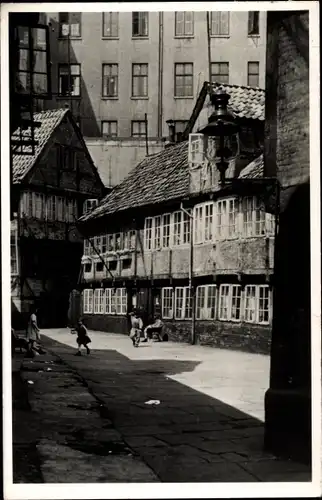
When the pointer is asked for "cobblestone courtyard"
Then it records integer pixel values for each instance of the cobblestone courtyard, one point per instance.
(86, 418)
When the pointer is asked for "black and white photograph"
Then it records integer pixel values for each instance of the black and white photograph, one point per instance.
(160, 207)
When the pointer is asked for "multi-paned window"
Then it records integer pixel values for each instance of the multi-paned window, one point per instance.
(206, 296)
(167, 303)
(109, 128)
(157, 231)
(108, 301)
(140, 24)
(227, 213)
(164, 231)
(120, 301)
(99, 297)
(184, 23)
(229, 303)
(52, 207)
(138, 128)
(252, 305)
(110, 80)
(139, 80)
(253, 74)
(204, 222)
(110, 24)
(69, 77)
(148, 228)
(257, 304)
(70, 24)
(88, 301)
(183, 80)
(183, 303)
(219, 23)
(255, 220)
(253, 22)
(14, 248)
(196, 149)
(220, 72)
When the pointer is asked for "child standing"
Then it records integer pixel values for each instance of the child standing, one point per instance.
(136, 328)
(82, 338)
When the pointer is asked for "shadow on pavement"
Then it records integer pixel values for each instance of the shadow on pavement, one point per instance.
(187, 437)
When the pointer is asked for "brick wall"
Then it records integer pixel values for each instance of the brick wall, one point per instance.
(287, 103)
(240, 336)
(104, 323)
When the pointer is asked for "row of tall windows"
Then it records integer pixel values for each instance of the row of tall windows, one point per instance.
(70, 78)
(70, 24)
(110, 243)
(228, 303)
(105, 301)
(225, 219)
(48, 207)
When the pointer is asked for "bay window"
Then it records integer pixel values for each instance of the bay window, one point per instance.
(148, 226)
(166, 223)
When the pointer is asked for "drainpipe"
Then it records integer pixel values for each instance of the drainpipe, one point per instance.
(191, 288)
(209, 45)
(160, 102)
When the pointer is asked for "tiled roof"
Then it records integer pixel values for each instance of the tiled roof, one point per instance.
(49, 121)
(244, 102)
(254, 170)
(157, 179)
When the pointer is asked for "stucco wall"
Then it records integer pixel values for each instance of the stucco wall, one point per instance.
(92, 50)
(115, 158)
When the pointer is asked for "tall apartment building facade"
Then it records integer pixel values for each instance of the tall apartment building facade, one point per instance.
(125, 74)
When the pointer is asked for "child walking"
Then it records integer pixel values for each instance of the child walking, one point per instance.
(82, 338)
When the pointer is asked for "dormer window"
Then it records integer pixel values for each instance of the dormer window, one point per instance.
(196, 152)
(89, 205)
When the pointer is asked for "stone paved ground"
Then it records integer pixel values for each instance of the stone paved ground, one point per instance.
(89, 416)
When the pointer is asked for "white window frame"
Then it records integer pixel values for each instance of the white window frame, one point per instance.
(186, 298)
(233, 296)
(177, 227)
(250, 304)
(196, 150)
(224, 228)
(110, 301)
(204, 312)
(99, 297)
(166, 231)
(88, 301)
(256, 305)
(167, 302)
(157, 243)
(148, 233)
(120, 301)
(255, 221)
(204, 233)
(264, 287)
(216, 23)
